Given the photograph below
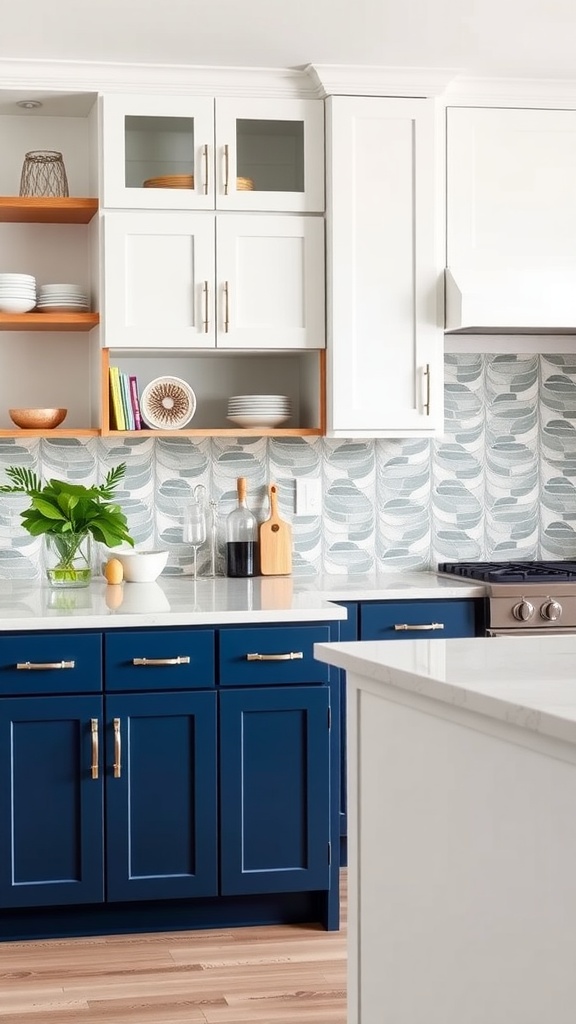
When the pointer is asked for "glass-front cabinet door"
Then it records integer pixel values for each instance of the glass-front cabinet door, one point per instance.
(194, 153)
(158, 152)
(270, 155)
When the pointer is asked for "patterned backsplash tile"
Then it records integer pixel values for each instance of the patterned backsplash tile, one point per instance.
(500, 483)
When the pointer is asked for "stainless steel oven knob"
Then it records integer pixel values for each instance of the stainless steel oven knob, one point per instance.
(523, 610)
(551, 611)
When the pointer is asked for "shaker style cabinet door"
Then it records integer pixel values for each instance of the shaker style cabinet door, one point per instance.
(51, 801)
(159, 280)
(384, 269)
(270, 282)
(275, 789)
(158, 152)
(161, 796)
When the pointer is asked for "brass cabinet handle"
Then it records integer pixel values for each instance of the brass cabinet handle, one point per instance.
(117, 749)
(181, 660)
(205, 296)
(94, 730)
(291, 656)
(226, 170)
(34, 666)
(226, 307)
(427, 402)
(405, 626)
(205, 175)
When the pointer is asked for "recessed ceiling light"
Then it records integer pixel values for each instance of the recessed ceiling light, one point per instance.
(29, 104)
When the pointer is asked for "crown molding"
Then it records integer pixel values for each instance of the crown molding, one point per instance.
(67, 76)
(520, 92)
(348, 80)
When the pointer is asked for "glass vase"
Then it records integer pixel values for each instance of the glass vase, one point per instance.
(68, 559)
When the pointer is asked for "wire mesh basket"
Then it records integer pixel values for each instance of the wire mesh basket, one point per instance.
(43, 174)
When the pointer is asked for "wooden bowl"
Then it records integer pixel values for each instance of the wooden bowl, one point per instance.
(37, 419)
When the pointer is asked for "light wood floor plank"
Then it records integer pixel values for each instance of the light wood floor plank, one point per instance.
(268, 975)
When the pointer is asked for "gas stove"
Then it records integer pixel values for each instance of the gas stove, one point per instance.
(524, 597)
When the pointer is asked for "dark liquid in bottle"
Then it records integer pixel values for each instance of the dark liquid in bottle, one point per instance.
(241, 556)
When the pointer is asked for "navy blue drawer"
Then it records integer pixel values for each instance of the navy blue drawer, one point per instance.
(50, 663)
(250, 657)
(159, 659)
(442, 619)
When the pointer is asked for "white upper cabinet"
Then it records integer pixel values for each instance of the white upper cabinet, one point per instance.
(511, 220)
(384, 262)
(511, 188)
(182, 152)
(197, 281)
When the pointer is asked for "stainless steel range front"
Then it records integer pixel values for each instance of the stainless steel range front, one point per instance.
(524, 598)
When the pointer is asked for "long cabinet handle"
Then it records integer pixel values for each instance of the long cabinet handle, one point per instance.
(94, 731)
(35, 666)
(427, 400)
(226, 170)
(183, 659)
(117, 749)
(205, 172)
(290, 656)
(411, 627)
(205, 297)
(226, 307)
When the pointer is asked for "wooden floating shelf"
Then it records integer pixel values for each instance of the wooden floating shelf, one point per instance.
(47, 210)
(48, 321)
(219, 432)
(55, 432)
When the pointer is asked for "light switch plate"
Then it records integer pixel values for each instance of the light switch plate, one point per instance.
(308, 497)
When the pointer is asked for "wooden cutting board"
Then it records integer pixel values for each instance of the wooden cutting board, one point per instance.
(275, 541)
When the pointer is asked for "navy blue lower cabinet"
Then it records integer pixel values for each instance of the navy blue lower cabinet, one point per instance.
(161, 803)
(51, 801)
(411, 620)
(275, 789)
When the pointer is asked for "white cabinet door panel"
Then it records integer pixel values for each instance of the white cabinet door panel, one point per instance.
(159, 280)
(511, 188)
(272, 269)
(385, 345)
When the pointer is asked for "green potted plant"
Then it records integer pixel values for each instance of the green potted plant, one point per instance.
(69, 516)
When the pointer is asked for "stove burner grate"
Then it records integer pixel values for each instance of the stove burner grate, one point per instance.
(512, 572)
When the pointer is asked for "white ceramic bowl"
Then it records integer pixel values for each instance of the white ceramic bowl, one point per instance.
(16, 305)
(141, 566)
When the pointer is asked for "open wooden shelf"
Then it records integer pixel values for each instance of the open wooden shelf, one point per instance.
(55, 432)
(48, 321)
(47, 210)
(220, 432)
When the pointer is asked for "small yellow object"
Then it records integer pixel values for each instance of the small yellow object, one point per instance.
(113, 571)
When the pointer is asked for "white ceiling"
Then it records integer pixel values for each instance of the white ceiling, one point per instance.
(510, 38)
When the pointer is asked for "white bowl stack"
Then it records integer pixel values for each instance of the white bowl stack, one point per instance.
(17, 293)
(259, 410)
(63, 298)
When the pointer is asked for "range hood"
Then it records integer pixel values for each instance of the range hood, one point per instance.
(534, 301)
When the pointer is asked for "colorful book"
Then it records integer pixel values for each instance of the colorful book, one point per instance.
(116, 399)
(135, 403)
(126, 401)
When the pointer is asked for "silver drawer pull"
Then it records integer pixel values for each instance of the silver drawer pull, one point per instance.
(291, 656)
(30, 666)
(184, 660)
(405, 626)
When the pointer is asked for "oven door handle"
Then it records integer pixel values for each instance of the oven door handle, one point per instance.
(544, 631)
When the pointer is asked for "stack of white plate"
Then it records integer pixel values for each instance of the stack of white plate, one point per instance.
(259, 410)
(63, 298)
(17, 293)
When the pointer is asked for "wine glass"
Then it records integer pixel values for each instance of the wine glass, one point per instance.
(195, 528)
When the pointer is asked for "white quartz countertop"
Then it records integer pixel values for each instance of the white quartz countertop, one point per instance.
(177, 601)
(529, 682)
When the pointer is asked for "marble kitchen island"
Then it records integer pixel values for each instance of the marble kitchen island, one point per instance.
(462, 830)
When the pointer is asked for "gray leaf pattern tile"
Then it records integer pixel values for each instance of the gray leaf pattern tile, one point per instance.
(500, 483)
